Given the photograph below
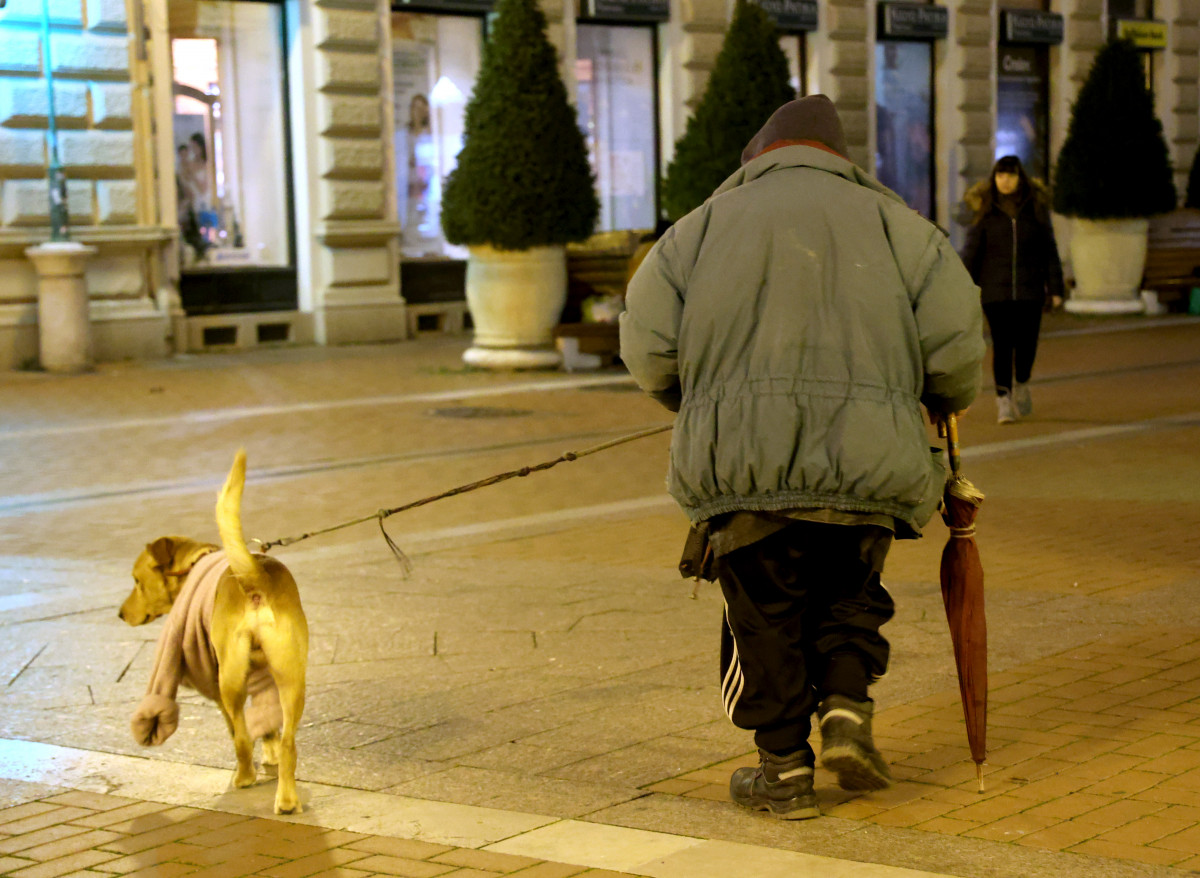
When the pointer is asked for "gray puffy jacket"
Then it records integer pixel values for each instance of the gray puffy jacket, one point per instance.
(795, 321)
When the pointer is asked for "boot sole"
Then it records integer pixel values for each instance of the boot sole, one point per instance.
(777, 809)
(854, 768)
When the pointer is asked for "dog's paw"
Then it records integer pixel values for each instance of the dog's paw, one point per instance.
(287, 805)
(244, 777)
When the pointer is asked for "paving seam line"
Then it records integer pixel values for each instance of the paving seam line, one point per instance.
(208, 416)
(212, 416)
(27, 503)
(64, 498)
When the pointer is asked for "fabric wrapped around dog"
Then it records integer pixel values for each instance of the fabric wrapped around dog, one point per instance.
(185, 655)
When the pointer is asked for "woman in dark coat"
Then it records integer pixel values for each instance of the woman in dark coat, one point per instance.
(1012, 255)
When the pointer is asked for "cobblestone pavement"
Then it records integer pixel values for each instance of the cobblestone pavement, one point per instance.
(542, 660)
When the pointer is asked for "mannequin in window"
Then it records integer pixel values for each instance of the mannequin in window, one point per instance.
(421, 163)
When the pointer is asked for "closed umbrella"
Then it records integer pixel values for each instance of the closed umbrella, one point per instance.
(962, 593)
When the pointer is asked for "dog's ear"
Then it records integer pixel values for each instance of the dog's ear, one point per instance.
(162, 551)
(187, 553)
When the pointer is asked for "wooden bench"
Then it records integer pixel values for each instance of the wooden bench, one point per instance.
(1173, 254)
(595, 268)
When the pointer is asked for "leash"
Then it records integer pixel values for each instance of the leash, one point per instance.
(381, 514)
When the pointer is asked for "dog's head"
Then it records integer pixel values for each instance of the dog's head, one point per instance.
(158, 575)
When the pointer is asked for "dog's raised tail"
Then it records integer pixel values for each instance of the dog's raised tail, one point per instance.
(229, 521)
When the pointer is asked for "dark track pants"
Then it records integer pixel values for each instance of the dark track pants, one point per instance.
(1014, 327)
(803, 612)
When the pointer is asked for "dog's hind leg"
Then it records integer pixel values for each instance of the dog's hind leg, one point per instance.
(270, 758)
(291, 700)
(234, 666)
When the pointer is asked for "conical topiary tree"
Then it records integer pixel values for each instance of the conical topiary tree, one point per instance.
(1114, 163)
(523, 178)
(1193, 187)
(748, 83)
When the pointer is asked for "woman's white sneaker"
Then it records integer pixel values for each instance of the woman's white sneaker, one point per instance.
(1006, 412)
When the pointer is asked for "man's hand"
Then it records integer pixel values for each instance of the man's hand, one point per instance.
(939, 418)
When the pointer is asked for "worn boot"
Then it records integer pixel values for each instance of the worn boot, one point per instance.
(847, 746)
(782, 785)
(1023, 398)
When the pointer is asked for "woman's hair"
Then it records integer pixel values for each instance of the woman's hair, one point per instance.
(418, 113)
(198, 139)
(984, 195)
(1010, 164)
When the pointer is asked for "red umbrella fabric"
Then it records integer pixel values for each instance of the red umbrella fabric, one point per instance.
(962, 593)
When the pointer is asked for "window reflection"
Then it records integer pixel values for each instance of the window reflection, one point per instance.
(229, 129)
(1022, 106)
(614, 74)
(904, 115)
(435, 62)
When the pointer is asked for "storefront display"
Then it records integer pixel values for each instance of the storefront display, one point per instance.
(232, 160)
(615, 97)
(435, 61)
(904, 121)
(904, 109)
(229, 131)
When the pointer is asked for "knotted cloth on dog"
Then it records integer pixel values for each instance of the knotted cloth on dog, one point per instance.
(185, 655)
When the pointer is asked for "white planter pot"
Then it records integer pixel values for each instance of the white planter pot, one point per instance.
(515, 298)
(1108, 257)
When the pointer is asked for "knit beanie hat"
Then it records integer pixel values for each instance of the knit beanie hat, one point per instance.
(810, 118)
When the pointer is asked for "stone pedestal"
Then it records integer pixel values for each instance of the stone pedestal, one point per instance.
(64, 328)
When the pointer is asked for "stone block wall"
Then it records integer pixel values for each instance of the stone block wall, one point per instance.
(847, 71)
(94, 109)
(703, 24)
(1178, 102)
(353, 268)
(89, 53)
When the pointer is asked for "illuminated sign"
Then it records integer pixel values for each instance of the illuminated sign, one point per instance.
(1143, 34)
(913, 21)
(791, 15)
(1031, 26)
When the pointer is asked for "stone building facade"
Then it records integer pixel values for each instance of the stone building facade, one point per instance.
(112, 69)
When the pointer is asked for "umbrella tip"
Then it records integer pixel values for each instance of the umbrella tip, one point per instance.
(979, 774)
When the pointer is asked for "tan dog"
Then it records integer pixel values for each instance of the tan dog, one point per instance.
(244, 611)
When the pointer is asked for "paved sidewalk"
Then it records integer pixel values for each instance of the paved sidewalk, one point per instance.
(543, 672)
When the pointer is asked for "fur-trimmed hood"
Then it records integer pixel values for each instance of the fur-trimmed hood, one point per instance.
(976, 200)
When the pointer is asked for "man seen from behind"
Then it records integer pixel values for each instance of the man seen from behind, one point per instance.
(797, 321)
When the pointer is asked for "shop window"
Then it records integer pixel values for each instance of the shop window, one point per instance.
(793, 46)
(615, 98)
(904, 121)
(230, 134)
(1022, 107)
(435, 62)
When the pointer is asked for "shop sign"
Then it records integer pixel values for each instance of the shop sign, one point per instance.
(792, 15)
(913, 21)
(1143, 34)
(1031, 26)
(630, 10)
(481, 7)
